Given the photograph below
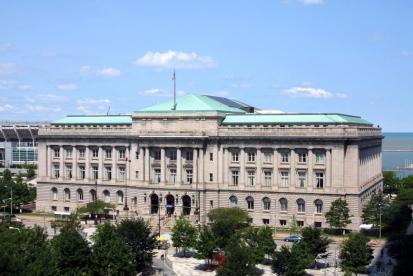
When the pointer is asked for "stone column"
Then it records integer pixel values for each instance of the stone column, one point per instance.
(114, 162)
(242, 167)
(201, 167)
(275, 171)
(62, 162)
(100, 164)
(87, 164)
(195, 166)
(220, 165)
(178, 166)
(328, 169)
(74, 163)
(310, 169)
(147, 165)
(225, 167)
(259, 168)
(163, 166)
(141, 163)
(49, 161)
(293, 169)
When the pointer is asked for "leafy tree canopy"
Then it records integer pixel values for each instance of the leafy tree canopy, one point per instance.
(312, 238)
(378, 205)
(339, 214)
(294, 261)
(184, 234)
(355, 254)
(97, 207)
(260, 241)
(206, 244)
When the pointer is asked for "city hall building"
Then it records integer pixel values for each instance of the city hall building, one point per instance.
(204, 152)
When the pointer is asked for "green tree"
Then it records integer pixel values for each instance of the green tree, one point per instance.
(402, 250)
(339, 214)
(206, 245)
(293, 226)
(22, 193)
(184, 234)
(225, 222)
(31, 173)
(71, 251)
(378, 205)
(391, 183)
(355, 254)
(238, 260)
(110, 254)
(312, 238)
(294, 261)
(260, 242)
(138, 236)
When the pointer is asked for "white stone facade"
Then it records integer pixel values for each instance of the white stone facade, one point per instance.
(192, 161)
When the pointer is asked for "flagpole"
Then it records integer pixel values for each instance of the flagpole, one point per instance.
(174, 90)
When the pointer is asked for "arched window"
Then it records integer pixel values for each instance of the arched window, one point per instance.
(186, 205)
(119, 196)
(92, 195)
(134, 201)
(106, 196)
(318, 206)
(154, 203)
(233, 201)
(300, 205)
(66, 194)
(284, 204)
(250, 203)
(54, 193)
(267, 203)
(79, 195)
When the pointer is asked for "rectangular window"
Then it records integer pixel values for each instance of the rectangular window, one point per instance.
(54, 208)
(122, 153)
(265, 221)
(137, 155)
(267, 178)
(189, 155)
(108, 153)
(157, 176)
(173, 176)
(56, 153)
(189, 176)
(82, 172)
(302, 157)
(235, 177)
(251, 178)
(285, 157)
(66, 209)
(211, 177)
(302, 179)
(235, 156)
(122, 174)
(251, 156)
(81, 153)
(172, 155)
(284, 179)
(320, 157)
(211, 204)
(283, 222)
(94, 172)
(317, 224)
(69, 171)
(157, 155)
(108, 173)
(300, 223)
(319, 180)
(69, 153)
(95, 153)
(136, 174)
(56, 171)
(268, 157)
(211, 156)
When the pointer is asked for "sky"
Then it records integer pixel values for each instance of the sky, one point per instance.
(93, 57)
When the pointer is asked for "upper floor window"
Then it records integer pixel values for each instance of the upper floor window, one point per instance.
(56, 153)
(251, 178)
(66, 194)
(251, 156)
(95, 153)
(189, 176)
(284, 179)
(318, 206)
(320, 157)
(157, 155)
(267, 203)
(285, 157)
(69, 171)
(119, 195)
(302, 179)
(284, 204)
(122, 153)
(189, 155)
(81, 153)
(235, 156)
(108, 153)
(108, 173)
(79, 194)
(157, 175)
(82, 172)
(211, 156)
(94, 172)
(319, 180)
(302, 157)
(300, 205)
(267, 157)
(69, 153)
(137, 155)
(211, 177)
(235, 177)
(250, 203)
(56, 171)
(54, 193)
(122, 174)
(173, 176)
(267, 178)
(172, 155)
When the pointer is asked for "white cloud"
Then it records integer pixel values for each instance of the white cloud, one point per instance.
(310, 92)
(67, 86)
(93, 101)
(9, 69)
(11, 84)
(6, 108)
(86, 70)
(241, 85)
(42, 108)
(24, 87)
(7, 47)
(312, 2)
(46, 99)
(175, 59)
(219, 93)
(93, 106)
(156, 92)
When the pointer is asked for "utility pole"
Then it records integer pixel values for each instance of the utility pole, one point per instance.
(380, 207)
(11, 201)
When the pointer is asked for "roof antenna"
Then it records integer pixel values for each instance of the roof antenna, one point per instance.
(107, 112)
(174, 79)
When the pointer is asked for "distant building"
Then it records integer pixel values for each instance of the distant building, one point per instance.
(207, 152)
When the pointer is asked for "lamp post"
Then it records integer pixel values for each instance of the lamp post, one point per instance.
(159, 215)
(380, 208)
(96, 201)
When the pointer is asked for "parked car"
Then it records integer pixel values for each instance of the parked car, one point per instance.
(7, 217)
(293, 238)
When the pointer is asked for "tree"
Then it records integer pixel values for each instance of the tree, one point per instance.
(260, 242)
(22, 193)
(225, 221)
(391, 183)
(338, 216)
(206, 245)
(355, 254)
(378, 205)
(184, 234)
(294, 261)
(30, 173)
(71, 251)
(402, 250)
(293, 226)
(238, 261)
(312, 238)
(111, 255)
(138, 236)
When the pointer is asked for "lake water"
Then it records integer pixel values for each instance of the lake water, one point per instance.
(396, 159)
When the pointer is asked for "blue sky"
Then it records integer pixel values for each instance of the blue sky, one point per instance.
(76, 57)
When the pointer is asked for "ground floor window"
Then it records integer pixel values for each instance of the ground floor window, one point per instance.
(317, 224)
(54, 208)
(265, 221)
(67, 209)
(300, 223)
(283, 222)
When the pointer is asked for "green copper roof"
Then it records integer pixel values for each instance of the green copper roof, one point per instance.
(94, 120)
(192, 103)
(291, 118)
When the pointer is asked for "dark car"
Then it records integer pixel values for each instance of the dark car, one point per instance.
(293, 238)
